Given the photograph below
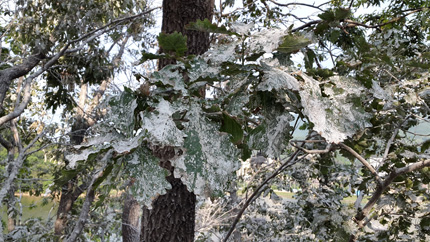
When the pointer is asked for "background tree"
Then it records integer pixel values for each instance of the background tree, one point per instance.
(72, 55)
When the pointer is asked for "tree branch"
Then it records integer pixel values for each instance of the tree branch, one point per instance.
(6, 144)
(87, 37)
(389, 143)
(361, 215)
(352, 23)
(300, 4)
(306, 25)
(7, 75)
(83, 216)
(291, 161)
(363, 161)
(326, 150)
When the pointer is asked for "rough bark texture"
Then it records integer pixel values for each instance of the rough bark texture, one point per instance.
(177, 14)
(130, 220)
(11, 210)
(172, 216)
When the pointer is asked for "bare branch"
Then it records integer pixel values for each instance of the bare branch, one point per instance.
(79, 226)
(413, 167)
(306, 25)
(290, 161)
(299, 4)
(308, 141)
(352, 23)
(389, 143)
(6, 144)
(362, 214)
(16, 138)
(7, 75)
(363, 161)
(350, 4)
(324, 151)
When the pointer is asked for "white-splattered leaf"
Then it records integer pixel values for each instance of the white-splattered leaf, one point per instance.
(209, 158)
(170, 76)
(276, 78)
(149, 179)
(160, 126)
(338, 115)
(266, 40)
(270, 136)
(121, 113)
(82, 155)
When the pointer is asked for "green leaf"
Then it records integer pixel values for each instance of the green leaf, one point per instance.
(149, 56)
(321, 28)
(425, 146)
(321, 72)
(207, 26)
(231, 126)
(309, 58)
(173, 43)
(66, 175)
(335, 14)
(327, 15)
(425, 223)
(341, 13)
(334, 36)
(122, 112)
(293, 43)
(106, 173)
(254, 56)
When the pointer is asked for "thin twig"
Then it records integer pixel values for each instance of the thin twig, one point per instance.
(362, 214)
(308, 141)
(326, 150)
(292, 160)
(363, 161)
(299, 4)
(389, 143)
(306, 25)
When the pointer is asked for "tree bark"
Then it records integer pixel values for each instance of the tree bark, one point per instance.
(130, 219)
(172, 216)
(70, 192)
(177, 14)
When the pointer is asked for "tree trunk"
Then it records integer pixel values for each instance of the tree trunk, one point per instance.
(172, 216)
(177, 14)
(11, 209)
(70, 192)
(130, 219)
